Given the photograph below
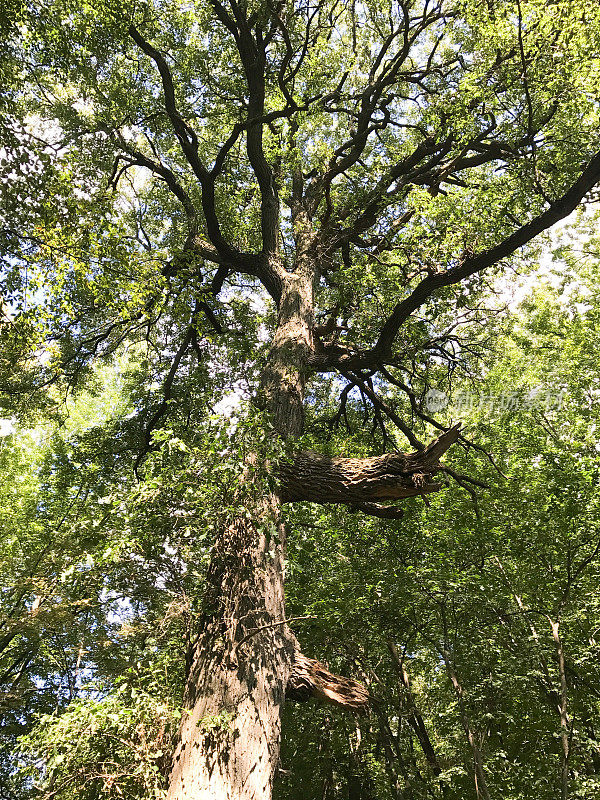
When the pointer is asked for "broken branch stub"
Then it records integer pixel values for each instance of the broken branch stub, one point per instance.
(362, 482)
(310, 678)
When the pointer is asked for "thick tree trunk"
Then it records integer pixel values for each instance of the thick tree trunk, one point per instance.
(247, 659)
(229, 737)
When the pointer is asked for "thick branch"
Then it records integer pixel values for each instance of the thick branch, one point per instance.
(309, 678)
(249, 263)
(167, 388)
(380, 353)
(470, 266)
(252, 50)
(362, 482)
(186, 135)
(137, 158)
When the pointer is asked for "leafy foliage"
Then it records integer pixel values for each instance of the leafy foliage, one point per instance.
(132, 347)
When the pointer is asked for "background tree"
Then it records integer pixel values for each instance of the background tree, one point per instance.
(324, 185)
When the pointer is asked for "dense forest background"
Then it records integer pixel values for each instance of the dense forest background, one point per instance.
(131, 352)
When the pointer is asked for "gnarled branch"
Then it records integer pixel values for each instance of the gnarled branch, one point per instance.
(362, 482)
(309, 678)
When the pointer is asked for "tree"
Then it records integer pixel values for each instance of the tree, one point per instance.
(359, 167)
(360, 585)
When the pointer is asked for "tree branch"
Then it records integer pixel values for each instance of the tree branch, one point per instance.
(381, 352)
(359, 481)
(309, 678)
(244, 262)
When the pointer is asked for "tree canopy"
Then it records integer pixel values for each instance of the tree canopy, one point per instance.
(247, 246)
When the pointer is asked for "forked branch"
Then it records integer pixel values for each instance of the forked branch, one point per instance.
(332, 358)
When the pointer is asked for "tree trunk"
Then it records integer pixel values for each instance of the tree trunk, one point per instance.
(481, 788)
(229, 737)
(415, 720)
(247, 659)
(564, 718)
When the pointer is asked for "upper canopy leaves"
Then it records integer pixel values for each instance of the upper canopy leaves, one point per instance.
(400, 147)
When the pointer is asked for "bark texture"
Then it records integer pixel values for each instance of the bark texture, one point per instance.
(247, 660)
(309, 678)
(229, 738)
(284, 377)
(359, 481)
(245, 653)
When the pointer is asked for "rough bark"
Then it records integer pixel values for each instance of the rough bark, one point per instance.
(229, 735)
(247, 660)
(309, 678)
(284, 377)
(246, 654)
(359, 481)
